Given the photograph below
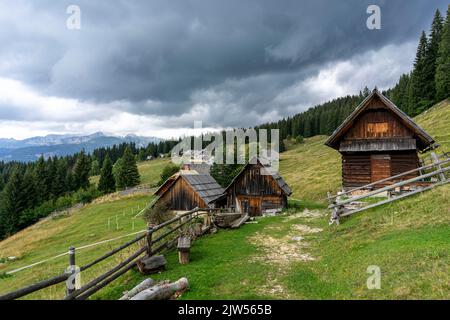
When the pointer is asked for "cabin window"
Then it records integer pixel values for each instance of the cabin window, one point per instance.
(378, 128)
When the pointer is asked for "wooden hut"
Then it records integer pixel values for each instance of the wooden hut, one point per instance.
(377, 141)
(256, 189)
(189, 189)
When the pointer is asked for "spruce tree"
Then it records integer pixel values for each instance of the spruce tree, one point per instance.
(14, 202)
(81, 171)
(417, 89)
(41, 180)
(443, 62)
(107, 183)
(59, 185)
(128, 172)
(29, 189)
(431, 60)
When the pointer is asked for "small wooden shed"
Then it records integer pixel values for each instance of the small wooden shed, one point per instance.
(189, 189)
(377, 141)
(255, 189)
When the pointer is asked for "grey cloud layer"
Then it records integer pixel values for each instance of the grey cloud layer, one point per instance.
(218, 60)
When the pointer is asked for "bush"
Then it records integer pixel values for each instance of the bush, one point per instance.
(157, 214)
(299, 139)
(86, 196)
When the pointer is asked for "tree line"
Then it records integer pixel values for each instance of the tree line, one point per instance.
(31, 191)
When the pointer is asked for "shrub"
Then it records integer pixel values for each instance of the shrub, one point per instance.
(157, 214)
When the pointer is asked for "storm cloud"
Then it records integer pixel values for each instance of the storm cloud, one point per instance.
(153, 67)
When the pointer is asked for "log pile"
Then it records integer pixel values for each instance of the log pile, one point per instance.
(149, 290)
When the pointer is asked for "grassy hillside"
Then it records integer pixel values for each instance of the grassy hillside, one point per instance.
(408, 240)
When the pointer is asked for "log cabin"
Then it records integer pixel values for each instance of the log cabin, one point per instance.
(378, 140)
(256, 189)
(189, 189)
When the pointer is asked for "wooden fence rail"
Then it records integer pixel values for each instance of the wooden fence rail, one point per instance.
(121, 268)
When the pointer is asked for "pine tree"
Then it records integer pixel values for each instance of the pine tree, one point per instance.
(14, 202)
(431, 60)
(107, 183)
(59, 185)
(95, 168)
(417, 89)
(128, 172)
(41, 180)
(29, 189)
(443, 62)
(81, 171)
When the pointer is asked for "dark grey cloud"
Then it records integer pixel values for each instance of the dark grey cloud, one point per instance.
(237, 61)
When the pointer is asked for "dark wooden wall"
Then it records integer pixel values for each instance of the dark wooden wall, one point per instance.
(257, 192)
(357, 168)
(181, 197)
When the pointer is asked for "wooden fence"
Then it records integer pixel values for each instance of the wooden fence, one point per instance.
(154, 243)
(339, 203)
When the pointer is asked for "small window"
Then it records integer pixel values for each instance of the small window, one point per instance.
(377, 128)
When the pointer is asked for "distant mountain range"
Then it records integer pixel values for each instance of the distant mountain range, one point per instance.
(60, 145)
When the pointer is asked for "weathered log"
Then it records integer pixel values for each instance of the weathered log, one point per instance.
(149, 265)
(224, 220)
(162, 291)
(147, 283)
(238, 222)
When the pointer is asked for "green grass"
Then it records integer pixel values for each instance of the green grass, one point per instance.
(407, 239)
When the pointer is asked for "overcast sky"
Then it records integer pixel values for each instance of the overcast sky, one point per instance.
(154, 67)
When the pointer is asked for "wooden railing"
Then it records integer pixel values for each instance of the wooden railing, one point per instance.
(438, 168)
(154, 243)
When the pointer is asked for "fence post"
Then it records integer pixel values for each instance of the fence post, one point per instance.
(70, 282)
(149, 240)
(435, 159)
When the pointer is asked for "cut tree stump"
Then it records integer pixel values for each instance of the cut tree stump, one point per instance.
(184, 247)
(162, 291)
(153, 264)
(147, 283)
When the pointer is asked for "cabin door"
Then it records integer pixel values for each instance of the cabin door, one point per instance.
(380, 165)
(255, 207)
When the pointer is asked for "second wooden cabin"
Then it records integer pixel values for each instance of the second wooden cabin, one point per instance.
(189, 189)
(256, 189)
(377, 141)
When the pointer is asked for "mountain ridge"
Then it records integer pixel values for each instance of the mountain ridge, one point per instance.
(30, 149)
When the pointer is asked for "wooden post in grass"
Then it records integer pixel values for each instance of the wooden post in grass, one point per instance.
(435, 159)
(149, 240)
(184, 247)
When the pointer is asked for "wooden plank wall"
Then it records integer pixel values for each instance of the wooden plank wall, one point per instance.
(372, 123)
(261, 191)
(356, 169)
(182, 197)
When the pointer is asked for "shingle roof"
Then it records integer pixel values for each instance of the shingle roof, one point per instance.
(205, 186)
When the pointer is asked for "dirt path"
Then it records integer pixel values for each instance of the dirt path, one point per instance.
(284, 244)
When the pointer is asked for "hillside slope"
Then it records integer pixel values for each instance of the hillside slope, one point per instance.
(408, 240)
